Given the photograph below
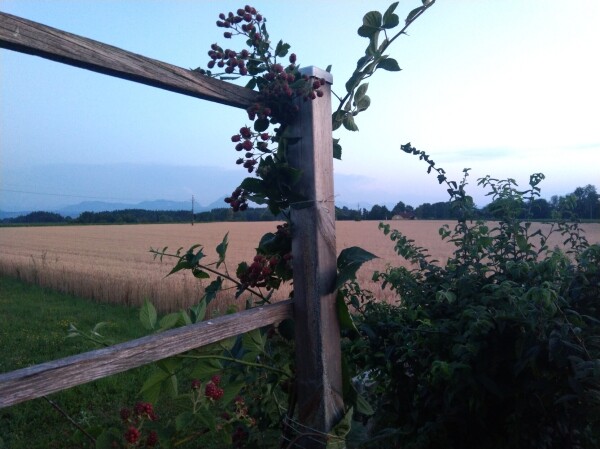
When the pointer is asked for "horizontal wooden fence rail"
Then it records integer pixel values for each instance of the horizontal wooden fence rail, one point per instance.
(33, 38)
(40, 380)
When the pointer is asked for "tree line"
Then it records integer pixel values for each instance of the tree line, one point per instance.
(583, 203)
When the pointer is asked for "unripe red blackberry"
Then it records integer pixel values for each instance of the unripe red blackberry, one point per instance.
(239, 147)
(221, 63)
(222, 16)
(132, 435)
(152, 439)
(246, 132)
(227, 35)
(259, 17)
(264, 136)
(210, 64)
(247, 17)
(319, 93)
(220, 24)
(248, 8)
(243, 71)
(241, 12)
(293, 58)
(236, 138)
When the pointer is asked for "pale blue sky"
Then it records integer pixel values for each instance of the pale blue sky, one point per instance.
(505, 87)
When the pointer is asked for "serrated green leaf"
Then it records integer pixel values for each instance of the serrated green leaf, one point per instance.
(211, 290)
(411, 15)
(184, 421)
(390, 20)
(169, 321)
(349, 261)
(367, 31)
(222, 249)
(336, 119)
(260, 125)
(253, 341)
(231, 391)
(363, 104)
(205, 368)
(372, 19)
(340, 430)
(106, 439)
(337, 149)
(207, 418)
(152, 385)
(183, 264)
(349, 123)
(198, 311)
(148, 315)
(361, 91)
(346, 322)
(281, 49)
(253, 185)
(389, 64)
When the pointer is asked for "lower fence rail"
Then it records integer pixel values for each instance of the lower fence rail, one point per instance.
(50, 377)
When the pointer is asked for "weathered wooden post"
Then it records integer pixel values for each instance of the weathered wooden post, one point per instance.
(318, 354)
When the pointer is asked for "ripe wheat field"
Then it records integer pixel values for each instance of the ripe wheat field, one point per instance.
(113, 264)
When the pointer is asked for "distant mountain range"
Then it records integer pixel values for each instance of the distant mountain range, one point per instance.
(102, 206)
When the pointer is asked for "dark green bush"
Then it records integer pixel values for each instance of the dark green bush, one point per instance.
(499, 347)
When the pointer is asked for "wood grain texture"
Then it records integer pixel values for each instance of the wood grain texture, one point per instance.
(33, 38)
(318, 352)
(39, 380)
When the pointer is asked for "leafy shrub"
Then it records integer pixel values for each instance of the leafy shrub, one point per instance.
(497, 348)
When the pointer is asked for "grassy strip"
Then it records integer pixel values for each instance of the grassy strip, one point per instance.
(33, 327)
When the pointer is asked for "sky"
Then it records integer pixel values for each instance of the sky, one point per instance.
(506, 88)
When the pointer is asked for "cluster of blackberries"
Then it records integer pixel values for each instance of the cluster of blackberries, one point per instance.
(134, 418)
(238, 200)
(249, 141)
(212, 389)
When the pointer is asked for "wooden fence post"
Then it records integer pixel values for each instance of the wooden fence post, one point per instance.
(318, 354)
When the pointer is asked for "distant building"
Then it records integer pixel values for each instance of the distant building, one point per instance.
(404, 216)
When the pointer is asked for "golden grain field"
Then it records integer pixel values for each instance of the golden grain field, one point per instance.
(113, 263)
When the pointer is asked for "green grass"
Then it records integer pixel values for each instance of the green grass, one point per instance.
(33, 327)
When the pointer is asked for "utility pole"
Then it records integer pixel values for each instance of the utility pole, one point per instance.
(192, 210)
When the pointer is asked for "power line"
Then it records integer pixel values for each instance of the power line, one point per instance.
(66, 195)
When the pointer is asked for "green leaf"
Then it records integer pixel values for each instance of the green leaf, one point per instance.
(205, 368)
(363, 103)
(211, 290)
(372, 19)
(389, 64)
(207, 418)
(337, 149)
(169, 321)
(260, 125)
(253, 341)
(411, 15)
(349, 261)
(198, 311)
(253, 185)
(340, 431)
(346, 322)
(361, 91)
(182, 264)
(148, 315)
(106, 438)
(231, 391)
(281, 49)
(349, 123)
(151, 388)
(184, 421)
(336, 119)
(222, 249)
(391, 20)
(367, 31)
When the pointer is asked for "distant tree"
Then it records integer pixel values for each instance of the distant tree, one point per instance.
(379, 213)
(40, 217)
(540, 209)
(399, 208)
(586, 202)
